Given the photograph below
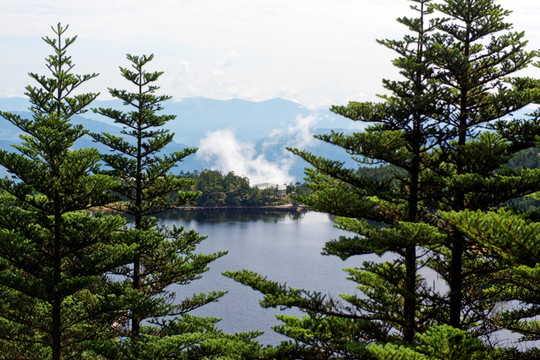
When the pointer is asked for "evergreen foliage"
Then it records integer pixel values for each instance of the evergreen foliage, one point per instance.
(54, 253)
(431, 130)
(475, 54)
(157, 325)
(441, 342)
(515, 242)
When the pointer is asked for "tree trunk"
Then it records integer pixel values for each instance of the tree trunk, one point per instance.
(409, 307)
(56, 315)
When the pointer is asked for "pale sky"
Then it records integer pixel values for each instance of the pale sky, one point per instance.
(315, 52)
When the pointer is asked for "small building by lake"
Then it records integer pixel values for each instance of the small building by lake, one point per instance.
(281, 189)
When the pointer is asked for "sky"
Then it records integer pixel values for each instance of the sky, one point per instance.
(314, 52)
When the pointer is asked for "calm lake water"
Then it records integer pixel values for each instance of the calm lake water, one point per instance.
(282, 246)
(286, 248)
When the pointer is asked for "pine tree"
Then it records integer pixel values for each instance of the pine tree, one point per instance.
(54, 253)
(441, 342)
(164, 257)
(510, 239)
(412, 112)
(456, 81)
(403, 133)
(475, 53)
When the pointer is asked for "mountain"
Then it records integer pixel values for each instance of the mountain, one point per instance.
(249, 138)
(197, 116)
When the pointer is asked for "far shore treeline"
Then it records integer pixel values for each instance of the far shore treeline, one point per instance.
(231, 190)
(445, 183)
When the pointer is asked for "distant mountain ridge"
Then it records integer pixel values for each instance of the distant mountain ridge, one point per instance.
(256, 133)
(269, 126)
(197, 116)
(265, 127)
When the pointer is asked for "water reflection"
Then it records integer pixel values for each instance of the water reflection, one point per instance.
(240, 215)
(285, 247)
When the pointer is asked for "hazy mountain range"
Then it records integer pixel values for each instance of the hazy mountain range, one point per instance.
(246, 137)
(249, 138)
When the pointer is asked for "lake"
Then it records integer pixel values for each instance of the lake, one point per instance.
(285, 247)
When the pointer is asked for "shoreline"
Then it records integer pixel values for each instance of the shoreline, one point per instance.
(284, 208)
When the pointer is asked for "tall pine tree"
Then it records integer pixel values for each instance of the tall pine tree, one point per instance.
(456, 81)
(164, 257)
(475, 53)
(385, 214)
(54, 253)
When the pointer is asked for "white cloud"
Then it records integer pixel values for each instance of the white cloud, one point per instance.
(9, 93)
(228, 60)
(184, 68)
(219, 81)
(228, 154)
(289, 92)
(357, 97)
(301, 132)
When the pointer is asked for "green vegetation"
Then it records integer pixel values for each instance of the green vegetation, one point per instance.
(231, 190)
(163, 256)
(77, 284)
(54, 254)
(482, 92)
(443, 186)
(429, 136)
(157, 325)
